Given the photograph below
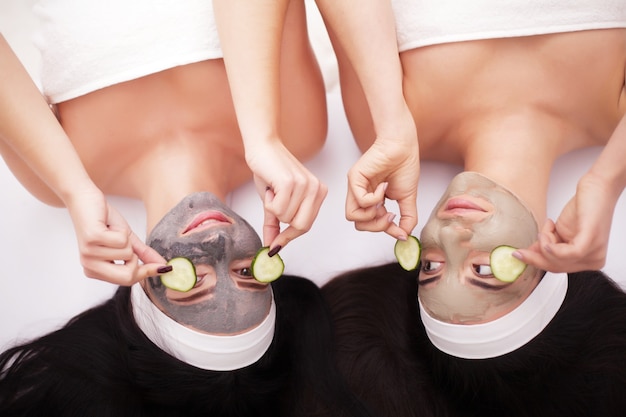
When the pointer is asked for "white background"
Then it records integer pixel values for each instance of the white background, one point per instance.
(41, 280)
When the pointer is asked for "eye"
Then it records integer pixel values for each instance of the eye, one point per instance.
(483, 270)
(244, 272)
(430, 267)
(199, 280)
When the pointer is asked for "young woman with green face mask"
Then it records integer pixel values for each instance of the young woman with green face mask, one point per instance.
(452, 339)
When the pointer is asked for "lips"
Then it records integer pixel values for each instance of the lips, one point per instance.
(464, 207)
(457, 203)
(206, 220)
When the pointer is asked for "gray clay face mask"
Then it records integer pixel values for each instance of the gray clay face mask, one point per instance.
(473, 217)
(226, 299)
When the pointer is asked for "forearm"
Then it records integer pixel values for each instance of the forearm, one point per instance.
(610, 166)
(250, 35)
(29, 127)
(365, 30)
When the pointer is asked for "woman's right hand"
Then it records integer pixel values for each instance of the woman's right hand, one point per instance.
(291, 194)
(109, 250)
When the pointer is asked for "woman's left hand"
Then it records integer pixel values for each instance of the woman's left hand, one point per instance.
(388, 169)
(579, 239)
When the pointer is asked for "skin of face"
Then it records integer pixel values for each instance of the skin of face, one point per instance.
(474, 216)
(226, 300)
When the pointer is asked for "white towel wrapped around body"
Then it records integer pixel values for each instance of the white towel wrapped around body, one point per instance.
(429, 22)
(87, 45)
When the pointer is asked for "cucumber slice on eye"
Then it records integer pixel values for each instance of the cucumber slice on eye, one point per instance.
(408, 252)
(183, 275)
(266, 268)
(504, 266)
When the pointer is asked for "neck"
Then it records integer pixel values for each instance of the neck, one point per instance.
(165, 176)
(530, 187)
(161, 192)
(519, 154)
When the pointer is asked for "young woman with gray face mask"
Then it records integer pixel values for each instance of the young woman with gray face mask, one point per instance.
(141, 90)
(230, 346)
(154, 120)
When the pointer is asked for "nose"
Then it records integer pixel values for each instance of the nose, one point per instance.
(455, 233)
(455, 240)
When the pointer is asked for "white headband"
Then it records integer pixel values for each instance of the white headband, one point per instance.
(202, 350)
(505, 334)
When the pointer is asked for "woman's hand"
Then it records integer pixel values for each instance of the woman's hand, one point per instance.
(388, 169)
(291, 194)
(579, 239)
(109, 250)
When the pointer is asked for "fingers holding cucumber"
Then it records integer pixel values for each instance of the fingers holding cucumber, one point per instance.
(267, 268)
(503, 265)
(182, 277)
(408, 252)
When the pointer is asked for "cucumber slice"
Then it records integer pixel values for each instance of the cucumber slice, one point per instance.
(182, 277)
(408, 252)
(266, 268)
(504, 266)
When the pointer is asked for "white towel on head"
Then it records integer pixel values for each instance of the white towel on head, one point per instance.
(428, 22)
(87, 45)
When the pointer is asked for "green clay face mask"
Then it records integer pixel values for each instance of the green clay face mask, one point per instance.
(474, 216)
(226, 299)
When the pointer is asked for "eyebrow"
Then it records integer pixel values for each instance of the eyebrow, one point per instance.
(249, 284)
(484, 285)
(473, 281)
(428, 280)
(193, 297)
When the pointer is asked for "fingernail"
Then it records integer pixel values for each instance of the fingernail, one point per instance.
(390, 217)
(517, 255)
(164, 269)
(274, 250)
(402, 237)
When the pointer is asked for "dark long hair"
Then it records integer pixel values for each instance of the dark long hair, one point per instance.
(376, 321)
(101, 364)
(575, 367)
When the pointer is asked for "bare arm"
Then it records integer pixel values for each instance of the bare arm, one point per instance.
(251, 34)
(610, 166)
(30, 129)
(365, 30)
(28, 125)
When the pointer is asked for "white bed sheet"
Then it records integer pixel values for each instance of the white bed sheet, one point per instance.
(42, 283)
